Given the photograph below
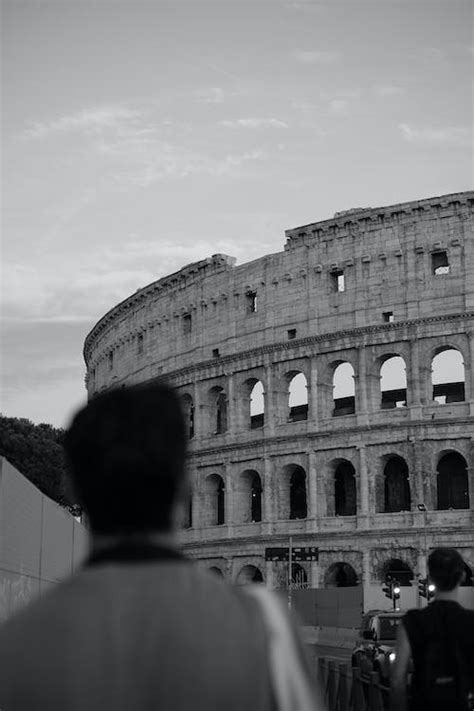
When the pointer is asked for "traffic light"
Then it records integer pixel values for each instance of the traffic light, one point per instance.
(426, 589)
(396, 590)
(387, 588)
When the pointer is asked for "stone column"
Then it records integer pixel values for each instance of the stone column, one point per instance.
(313, 414)
(198, 411)
(229, 497)
(416, 476)
(321, 503)
(469, 372)
(314, 575)
(312, 485)
(361, 388)
(269, 492)
(363, 481)
(413, 379)
(366, 574)
(270, 401)
(269, 575)
(233, 424)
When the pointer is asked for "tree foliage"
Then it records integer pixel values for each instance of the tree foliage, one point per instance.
(37, 452)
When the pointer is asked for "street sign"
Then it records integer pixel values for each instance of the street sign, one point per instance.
(299, 554)
(277, 554)
(305, 554)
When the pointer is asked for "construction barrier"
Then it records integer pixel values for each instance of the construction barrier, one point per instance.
(345, 690)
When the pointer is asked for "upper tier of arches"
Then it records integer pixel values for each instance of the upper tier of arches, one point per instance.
(388, 384)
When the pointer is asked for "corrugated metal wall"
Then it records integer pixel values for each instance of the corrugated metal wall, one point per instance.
(40, 542)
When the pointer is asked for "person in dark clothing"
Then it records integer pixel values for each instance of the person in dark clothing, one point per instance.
(439, 640)
(139, 626)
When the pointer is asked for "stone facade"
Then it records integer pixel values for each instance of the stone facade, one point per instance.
(367, 285)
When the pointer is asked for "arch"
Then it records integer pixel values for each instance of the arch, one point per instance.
(297, 396)
(467, 582)
(343, 390)
(248, 497)
(396, 485)
(452, 482)
(214, 500)
(218, 409)
(215, 570)
(298, 497)
(299, 576)
(447, 376)
(257, 405)
(249, 574)
(188, 413)
(340, 575)
(393, 382)
(345, 491)
(396, 569)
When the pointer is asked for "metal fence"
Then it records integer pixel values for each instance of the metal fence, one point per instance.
(345, 690)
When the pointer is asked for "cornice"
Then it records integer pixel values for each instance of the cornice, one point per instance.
(411, 534)
(348, 219)
(269, 443)
(310, 340)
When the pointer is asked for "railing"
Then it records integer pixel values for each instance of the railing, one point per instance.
(345, 690)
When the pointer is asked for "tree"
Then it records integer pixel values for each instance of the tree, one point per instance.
(37, 452)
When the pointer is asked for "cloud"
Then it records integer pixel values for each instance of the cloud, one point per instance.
(215, 95)
(315, 57)
(337, 106)
(387, 90)
(447, 136)
(253, 123)
(87, 121)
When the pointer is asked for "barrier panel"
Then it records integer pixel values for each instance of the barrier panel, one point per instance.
(345, 690)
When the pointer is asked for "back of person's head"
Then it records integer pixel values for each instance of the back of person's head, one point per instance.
(445, 568)
(126, 452)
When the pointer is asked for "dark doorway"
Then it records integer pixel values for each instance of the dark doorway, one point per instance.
(256, 499)
(396, 486)
(453, 484)
(345, 497)
(298, 503)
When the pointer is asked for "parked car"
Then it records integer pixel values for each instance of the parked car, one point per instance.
(375, 647)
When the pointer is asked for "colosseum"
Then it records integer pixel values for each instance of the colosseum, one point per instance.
(328, 390)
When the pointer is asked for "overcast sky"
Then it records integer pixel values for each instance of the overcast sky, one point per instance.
(141, 136)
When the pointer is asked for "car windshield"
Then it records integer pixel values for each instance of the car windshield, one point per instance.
(388, 627)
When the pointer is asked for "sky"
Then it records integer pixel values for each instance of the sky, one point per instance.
(138, 137)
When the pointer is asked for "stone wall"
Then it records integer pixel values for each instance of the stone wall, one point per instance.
(216, 327)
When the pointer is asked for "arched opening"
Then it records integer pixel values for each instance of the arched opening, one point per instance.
(343, 390)
(256, 499)
(257, 407)
(396, 569)
(249, 574)
(345, 495)
(447, 376)
(467, 582)
(298, 500)
(214, 508)
(452, 482)
(340, 575)
(221, 413)
(299, 577)
(248, 497)
(216, 571)
(189, 513)
(188, 414)
(298, 398)
(393, 383)
(396, 486)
